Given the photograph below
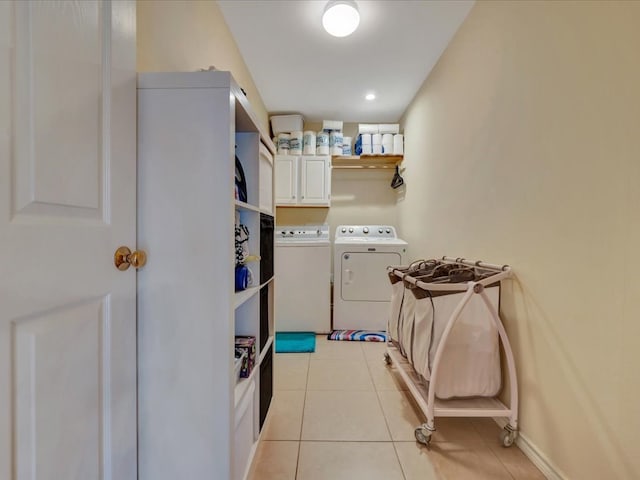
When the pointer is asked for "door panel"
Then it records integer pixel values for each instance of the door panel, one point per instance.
(58, 360)
(364, 275)
(286, 180)
(60, 99)
(315, 180)
(67, 201)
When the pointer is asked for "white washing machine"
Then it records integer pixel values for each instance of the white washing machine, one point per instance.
(361, 288)
(302, 264)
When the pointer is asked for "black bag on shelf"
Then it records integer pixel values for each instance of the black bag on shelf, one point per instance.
(241, 182)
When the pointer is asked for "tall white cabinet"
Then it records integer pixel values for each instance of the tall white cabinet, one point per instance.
(195, 420)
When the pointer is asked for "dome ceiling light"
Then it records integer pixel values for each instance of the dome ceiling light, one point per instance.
(341, 18)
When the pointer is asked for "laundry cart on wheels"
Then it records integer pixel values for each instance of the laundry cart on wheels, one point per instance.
(444, 334)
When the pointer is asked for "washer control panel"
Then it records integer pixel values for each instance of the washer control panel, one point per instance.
(366, 231)
(302, 232)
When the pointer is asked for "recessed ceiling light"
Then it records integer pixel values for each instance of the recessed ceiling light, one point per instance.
(341, 17)
(370, 96)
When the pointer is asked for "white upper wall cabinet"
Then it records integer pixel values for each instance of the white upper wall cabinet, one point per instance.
(315, 180)
(286, 180)
(303, 181)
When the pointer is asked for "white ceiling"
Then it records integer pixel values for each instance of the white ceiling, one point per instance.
(298, 67)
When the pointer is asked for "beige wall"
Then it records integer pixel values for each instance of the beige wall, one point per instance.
(357, 197)
(187, 35)
(526, 138)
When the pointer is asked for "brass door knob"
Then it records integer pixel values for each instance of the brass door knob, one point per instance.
(124, 258)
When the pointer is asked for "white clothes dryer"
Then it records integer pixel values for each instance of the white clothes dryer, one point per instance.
(361, 290)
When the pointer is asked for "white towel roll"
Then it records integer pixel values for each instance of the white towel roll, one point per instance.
(346, 146)
(283, 143)
(367, 128)
(389, 128)
(386, 138)
(376, 139)
(367, 150)
(322, 150)
(398, 144)
(335, 140)
(309, 143)
(336, 150)
(366, 139)
(330, 125)
(377, 149)
(295, 143)
(322, 139)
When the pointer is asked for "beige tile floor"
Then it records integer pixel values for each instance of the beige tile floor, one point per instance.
(341, 414)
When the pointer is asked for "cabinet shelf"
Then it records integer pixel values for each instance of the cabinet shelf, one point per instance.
(244, 295)
(366, 161)
(246, 206)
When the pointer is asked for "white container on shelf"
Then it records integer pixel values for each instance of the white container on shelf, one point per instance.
(286, 123)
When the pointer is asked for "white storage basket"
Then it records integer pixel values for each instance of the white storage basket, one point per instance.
(286, 123)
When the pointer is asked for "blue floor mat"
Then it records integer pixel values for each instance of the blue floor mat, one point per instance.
(295, 342)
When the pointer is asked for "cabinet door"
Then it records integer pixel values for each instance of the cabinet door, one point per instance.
(265, 169)
(286, 180)
(315, 180)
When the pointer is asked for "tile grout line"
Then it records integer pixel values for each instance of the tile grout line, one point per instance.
(304, 404)
(384, 416)
(485, 442)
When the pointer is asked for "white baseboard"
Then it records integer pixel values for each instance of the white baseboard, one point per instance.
(533, 453)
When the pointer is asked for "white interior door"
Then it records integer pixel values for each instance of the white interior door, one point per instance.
(67, 201)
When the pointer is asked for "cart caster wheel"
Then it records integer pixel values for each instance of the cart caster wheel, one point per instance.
(423, 435)
(387, 359)
(507, 437)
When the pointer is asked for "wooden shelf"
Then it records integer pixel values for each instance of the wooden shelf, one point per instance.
(366, 161)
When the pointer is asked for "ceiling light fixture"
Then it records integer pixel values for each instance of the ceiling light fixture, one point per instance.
(370, 96)
(341, 18)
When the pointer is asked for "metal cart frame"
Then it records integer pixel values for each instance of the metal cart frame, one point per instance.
(464, 407)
